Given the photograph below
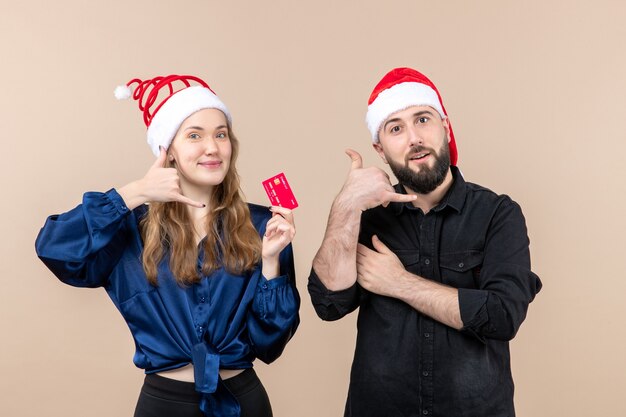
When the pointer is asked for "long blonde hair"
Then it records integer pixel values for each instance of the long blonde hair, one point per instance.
(231, 240)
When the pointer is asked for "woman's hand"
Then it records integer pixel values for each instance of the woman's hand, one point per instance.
(279, 232)
(158, 185)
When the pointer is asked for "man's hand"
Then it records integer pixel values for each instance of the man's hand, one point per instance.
(379, 271)
(366, 188)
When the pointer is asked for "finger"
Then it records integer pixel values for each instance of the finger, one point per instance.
(280, 238)
(286, 213)
(363, 250)
(282, 228)
(400, 198)
(357, 161)
(182, 199)
(279, 219)
(271, 228)
(380, 246)
(160, 161)
(275, 220)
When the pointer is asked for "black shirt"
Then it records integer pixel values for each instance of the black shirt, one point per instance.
(407, 364)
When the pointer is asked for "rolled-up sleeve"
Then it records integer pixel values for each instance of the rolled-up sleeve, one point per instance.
(274, 315)
(82, 246)
(505, 283)
(332, 305)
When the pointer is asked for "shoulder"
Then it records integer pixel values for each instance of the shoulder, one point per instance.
(480, 196)
(259, 215)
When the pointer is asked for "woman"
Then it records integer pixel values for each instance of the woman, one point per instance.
(205, 281)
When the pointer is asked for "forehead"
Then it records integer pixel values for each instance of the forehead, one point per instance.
(410, 111)
(206, 118)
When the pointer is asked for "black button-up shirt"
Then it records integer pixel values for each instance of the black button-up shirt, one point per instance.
(407, 364)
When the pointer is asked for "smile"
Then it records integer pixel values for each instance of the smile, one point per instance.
(418, 156)
(210, 164)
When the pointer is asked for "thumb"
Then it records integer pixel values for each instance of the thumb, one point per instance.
(380, 246)
(357, 161)
(160, 161)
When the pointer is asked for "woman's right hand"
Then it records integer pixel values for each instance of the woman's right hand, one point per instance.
(160, 184)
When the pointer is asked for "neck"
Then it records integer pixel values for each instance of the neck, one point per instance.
(198, 215)
(427, 201)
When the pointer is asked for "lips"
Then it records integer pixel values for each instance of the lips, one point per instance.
(418, 156)
(210, 164)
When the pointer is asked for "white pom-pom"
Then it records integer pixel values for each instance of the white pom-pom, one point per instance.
(122, 92)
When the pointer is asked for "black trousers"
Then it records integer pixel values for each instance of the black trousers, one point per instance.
(165, 397)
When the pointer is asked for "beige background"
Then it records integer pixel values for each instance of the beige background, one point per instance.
(535, 91)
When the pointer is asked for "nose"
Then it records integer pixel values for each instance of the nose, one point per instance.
(210, 146)
(415, 138)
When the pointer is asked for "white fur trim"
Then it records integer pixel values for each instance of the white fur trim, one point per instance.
(122, 92)
(181, 105)
(397, 98)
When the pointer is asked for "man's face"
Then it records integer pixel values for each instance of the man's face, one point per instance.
(414, 142)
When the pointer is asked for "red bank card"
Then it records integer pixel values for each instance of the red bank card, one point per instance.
(279, 192)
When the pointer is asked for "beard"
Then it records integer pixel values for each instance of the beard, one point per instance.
(427, 179)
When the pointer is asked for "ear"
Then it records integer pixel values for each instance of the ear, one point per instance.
(446, 125)
(379, 149)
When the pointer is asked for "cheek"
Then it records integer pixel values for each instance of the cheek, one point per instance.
(226, 150)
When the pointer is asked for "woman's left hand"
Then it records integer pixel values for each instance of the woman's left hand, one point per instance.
(279, 232)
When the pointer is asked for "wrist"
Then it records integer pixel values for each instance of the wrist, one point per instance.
(346, 204)
(132, 195)
(405, 288)
(270, 267)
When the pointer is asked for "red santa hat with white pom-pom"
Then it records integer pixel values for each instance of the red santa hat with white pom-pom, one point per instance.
(166, 106)
(398, 90)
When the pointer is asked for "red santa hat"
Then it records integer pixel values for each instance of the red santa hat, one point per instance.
(398, 90)
(165, 105)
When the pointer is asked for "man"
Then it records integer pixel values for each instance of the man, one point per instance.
(439, 267)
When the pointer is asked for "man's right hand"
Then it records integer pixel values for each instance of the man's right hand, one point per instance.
(366, 188)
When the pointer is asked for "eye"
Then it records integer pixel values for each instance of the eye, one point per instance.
(194, 136)
(394, 129)
(222, 135)
(422, 119)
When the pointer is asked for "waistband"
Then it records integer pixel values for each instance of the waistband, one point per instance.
(175, 390)
(170, 389)
(242, 383)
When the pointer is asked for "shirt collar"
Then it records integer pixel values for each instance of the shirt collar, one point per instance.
(454, 198)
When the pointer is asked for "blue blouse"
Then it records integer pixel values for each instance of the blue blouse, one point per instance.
(224, 321)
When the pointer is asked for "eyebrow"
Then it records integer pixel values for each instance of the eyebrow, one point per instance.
(201, 128)
(416, 114)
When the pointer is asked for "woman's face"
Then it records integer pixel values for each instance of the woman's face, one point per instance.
(201, 150)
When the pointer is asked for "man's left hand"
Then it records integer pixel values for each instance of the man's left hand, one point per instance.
(379, 271)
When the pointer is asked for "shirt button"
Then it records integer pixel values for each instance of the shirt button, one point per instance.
(200, 329)
(425, 412)
(202, 299)
(427, 261)
(426, 335)
(264, 286)
(461, 265)
(425, 373)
